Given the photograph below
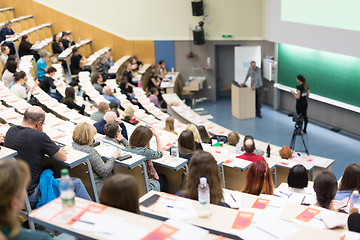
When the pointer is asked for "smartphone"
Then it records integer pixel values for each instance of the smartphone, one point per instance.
(150, 200)
(124, 157)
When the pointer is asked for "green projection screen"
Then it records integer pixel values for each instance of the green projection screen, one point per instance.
(330, 75)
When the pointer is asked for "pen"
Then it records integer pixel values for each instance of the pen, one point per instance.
(288, 195)
(78, 220)
(232, 197)
(177, 207)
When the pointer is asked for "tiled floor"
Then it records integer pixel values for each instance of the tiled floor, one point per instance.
(277, 128)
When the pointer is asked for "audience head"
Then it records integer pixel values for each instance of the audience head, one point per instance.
(233, 138)
(110, 116)
(66, 35)
(325, 187)
(108, 54)
(253, 65)
(96, 78)
(121, 191)
(14, 178)
(112, 129)
(204, 134)
(20, 77)
(34, 117)
(8, 24)
(25, 38)
(69, 94)
(45, 55)
(154, 91)
(170, 124)
(114, 106)
(298, 177)
(56, 38)
(285, 152)
(5, 50)
(354, 222)
(133, 60)
(103, 107)
(107, 91)
(75, 51)
(186, 142)
(102, 60)
(128, 113)
(154, 71)
(259, 179)
(249, 145)
(129, 67)
(351, 178)
(140, 137)
(12, 58)
(203, 164)
(301, 79)
(11, 66)
(51, 71)
(195, 131)
(84, 134)
(162, 63)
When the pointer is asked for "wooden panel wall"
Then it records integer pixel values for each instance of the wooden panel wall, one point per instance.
(100, 38)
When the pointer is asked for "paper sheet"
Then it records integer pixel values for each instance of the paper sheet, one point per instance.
(186, 231)
(98, 223)
(182, 210)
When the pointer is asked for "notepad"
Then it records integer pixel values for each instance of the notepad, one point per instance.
(98, 223)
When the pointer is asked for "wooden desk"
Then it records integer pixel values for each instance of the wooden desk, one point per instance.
(170, 82)
(7, 152)
(119, 66)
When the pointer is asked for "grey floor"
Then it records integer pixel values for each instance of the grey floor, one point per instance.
(277, 128)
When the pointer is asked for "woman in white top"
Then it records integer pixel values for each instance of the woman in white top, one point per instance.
(18, 89)
(8, 75)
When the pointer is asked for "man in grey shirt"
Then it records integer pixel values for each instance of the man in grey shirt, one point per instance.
(256, 84)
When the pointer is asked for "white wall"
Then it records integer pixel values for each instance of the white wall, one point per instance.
(167, 19)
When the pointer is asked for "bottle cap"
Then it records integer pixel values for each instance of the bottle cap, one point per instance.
(203, 180)
(64, 172)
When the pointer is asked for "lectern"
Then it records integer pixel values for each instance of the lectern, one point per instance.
(242, 102)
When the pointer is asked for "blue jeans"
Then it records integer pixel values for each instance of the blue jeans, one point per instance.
(79, 189)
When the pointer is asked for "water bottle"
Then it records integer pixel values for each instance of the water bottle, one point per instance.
(268, 150)
(67, 193)
(175, 151)
(204, 198)
(355, 200)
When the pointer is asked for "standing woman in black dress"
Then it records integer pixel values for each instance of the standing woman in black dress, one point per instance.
(301, 95)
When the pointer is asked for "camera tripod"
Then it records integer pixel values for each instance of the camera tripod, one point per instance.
(298, 132)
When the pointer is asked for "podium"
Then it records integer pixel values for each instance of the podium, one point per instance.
(242, 102)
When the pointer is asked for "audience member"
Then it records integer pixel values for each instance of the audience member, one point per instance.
(18, 89)
(112, 132)
(57, 45)
(127, 89)
(134, 64)
(129, 116)
(5, 50)
(14, 179)
(153, 97)
(66, 40)
(140, 144)
(204, 134)
(110, 116)
(41, 65)
(76, 61)
(233, 138)
(197, 137)
(7, 32)
(285, 152)
(109, 60)
(121, 191)
(349, 182)
(97, 116)
(249, 147)
(162, 69)
(128, 75)
(325, 187)
(109, 95)
(354, 222)
(32, 144)
(240, 146)
(8, 75)
(26, 48)
(101, 67)
(114, 106)
(170, 125)
(70, 101)
(83, 138)
(135, 59)
(298, 178)
(96, 81)
(186, 144)
(48, 86)
(203, 164)
(259, 179)
(154, 81)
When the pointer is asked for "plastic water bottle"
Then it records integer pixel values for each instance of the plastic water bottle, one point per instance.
(175, 151)
(67, 193)
(204, 198)
(355, 200)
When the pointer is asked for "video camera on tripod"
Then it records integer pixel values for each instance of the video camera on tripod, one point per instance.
(299, 120)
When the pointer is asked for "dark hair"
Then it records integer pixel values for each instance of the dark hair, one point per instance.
(351, 178)
(24, 37)
(11, 58)
(253, 62)
(51, 70)
(111, 129)
(302, 79)
(153, 90)
(298, 177)
(203, 134)
(75, 50)
(186, 140)
(95, 77)
(54, 37)
(33, 117)
(325, 187)
(121, 191)
(114, 106)
(19, 75)
(3, 48)
(140, 137)
(69, 95)
(11, 66)
(354, 222)
(161, 62)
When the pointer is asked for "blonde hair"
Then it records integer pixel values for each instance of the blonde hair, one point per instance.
(14, 178)
(233, 138)
(195, 131)
(169, 125)
(84, 133)
(128, 113)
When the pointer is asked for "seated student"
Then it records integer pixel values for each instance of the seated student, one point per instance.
(298, 179)
(112, 132)
(325, 187)
(8, 75)
(48, 86)
(249, 147)
(121, 191)
(75, 61)
(203, 164)
(197, 137)
(7, 32)
(66, 40)
(354, 221)
(128, 75)
(5, 50)
(129, 116)
(154, 81)
(18, 89)
(349, 182)
(162, 69)
(83, 137)
(15, 177)
(233, 138)
(25, 47)
(96, 81)
(57, 46)
(285, 152)
(128, 90)
(110, 116)
(109, 60)
(32, 144)
(70, 101)
(135, 61)
(134, 64)
(41, 65)
(204, 134)
(97, 116)
(114, 106)
(140, 144)
(170, 125)
(101, 67)
(186, 144)
(109, 95)
(153, 97)
(259, 179)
